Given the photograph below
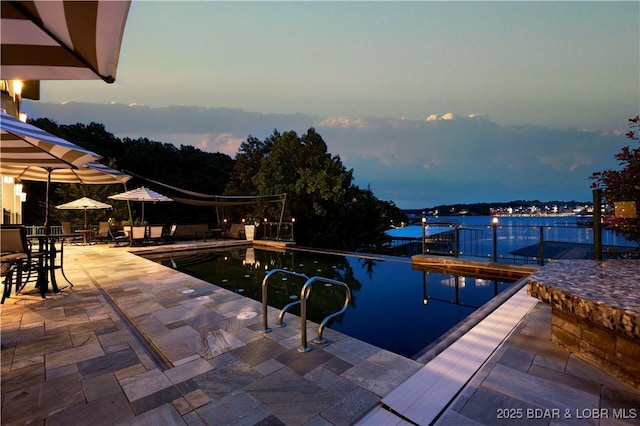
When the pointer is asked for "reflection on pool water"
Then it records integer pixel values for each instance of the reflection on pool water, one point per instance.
(393, 306)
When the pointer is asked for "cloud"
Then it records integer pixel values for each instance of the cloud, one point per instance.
(436, 117)
(226, 143)
(446, 158)
(569, 162)
(345, 122)
(451, 116)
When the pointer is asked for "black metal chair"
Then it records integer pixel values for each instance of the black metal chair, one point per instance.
(18, 259)
(11, 263)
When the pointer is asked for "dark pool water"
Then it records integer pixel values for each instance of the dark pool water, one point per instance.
(393, 306)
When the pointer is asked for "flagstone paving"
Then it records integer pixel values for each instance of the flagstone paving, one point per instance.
(134, 342)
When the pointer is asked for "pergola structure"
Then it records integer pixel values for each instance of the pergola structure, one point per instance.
(210, 200)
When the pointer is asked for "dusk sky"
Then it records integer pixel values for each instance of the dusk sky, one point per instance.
(429, 102)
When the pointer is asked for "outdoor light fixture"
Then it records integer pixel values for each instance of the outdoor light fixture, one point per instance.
(17, 87)
(17, 189)
(293, 221)
(494, 223)
(424, 224)
(22, 117)
(7, 179)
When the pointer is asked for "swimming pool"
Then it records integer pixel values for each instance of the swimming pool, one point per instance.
(393, 306)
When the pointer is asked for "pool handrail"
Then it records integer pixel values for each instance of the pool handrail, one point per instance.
(284, 310)
(304, 295)
(265, 326)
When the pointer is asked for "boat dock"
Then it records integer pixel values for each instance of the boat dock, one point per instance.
(567, 250)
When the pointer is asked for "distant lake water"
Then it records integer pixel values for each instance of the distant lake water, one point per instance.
(514, 232)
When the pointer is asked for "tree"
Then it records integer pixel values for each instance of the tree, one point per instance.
(329, 210)
(184, 167)
(624, 184)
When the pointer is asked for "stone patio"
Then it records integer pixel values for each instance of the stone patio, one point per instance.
(134, 342)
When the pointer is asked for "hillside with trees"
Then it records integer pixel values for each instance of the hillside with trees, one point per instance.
(330, 211)
(185, 167)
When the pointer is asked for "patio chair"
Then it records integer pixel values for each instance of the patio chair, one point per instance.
(170, 236)
(104, 232)
(13, 257)
(137, 235)
(119, 236)
(18, 259)
(155, 234)
(70, 238)
(7, 269)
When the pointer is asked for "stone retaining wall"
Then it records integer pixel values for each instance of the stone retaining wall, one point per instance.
(595, 311)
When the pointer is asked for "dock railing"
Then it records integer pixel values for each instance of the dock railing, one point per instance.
(518, 244)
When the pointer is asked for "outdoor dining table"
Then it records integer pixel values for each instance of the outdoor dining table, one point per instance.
(47, 267)
(86, 233)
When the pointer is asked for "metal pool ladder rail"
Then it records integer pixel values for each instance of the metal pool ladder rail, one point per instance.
(304, 295)
(265, 327)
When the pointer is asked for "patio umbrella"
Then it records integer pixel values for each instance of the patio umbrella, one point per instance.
(25, 147)
(91, 173)
(62, 40)
(141, 194)
(84, 203)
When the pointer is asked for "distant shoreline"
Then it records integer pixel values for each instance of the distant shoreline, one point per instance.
(541, 215)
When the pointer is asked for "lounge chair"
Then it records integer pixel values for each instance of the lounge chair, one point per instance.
(155, 234)
(119, 236)
(70, 235)
(236, 231)
(104, 232)
(137, 235)
(170, 236)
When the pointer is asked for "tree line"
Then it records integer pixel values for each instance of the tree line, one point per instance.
(330, 211)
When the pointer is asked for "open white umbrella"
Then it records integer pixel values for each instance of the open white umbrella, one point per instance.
(91, 173)
(25, 147)
(141, 194)
(62, 40)
(84, 203)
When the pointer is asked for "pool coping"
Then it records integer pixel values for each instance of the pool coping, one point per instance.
(423, 397)
(458, 330)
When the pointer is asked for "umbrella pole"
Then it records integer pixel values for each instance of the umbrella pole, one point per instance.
(47, 226)
(85, 218)
(128, 206)
(130, 217)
